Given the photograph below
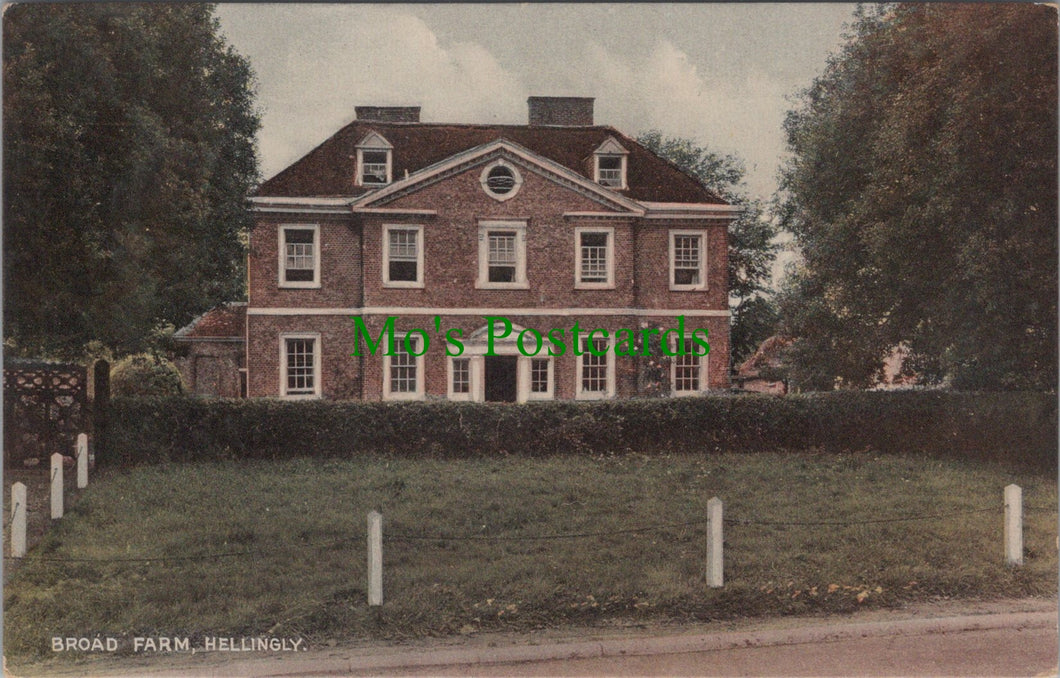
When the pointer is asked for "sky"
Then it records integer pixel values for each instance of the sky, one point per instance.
(722, 74)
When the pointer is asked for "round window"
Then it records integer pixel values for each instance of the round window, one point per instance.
(500, 179)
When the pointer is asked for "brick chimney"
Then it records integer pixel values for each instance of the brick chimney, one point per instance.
(561, 111)
(388, 113)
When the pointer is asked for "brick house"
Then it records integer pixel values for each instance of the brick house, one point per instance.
(215, 352)
(438, 226)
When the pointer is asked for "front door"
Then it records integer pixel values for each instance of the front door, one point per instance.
(500, 378)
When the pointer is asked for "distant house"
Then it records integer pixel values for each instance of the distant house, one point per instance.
(438, 225)
(757, 373)
(894, 375)
(760, 372)
(216, 352)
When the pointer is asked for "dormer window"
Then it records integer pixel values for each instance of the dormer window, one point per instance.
(609, 166)
(374, 161)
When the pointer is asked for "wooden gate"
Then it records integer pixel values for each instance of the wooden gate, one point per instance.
(45, 407)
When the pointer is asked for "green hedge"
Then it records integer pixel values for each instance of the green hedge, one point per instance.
(1010, 427)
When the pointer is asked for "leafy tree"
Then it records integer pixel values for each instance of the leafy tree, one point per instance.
(922, 192)
(128, 152)
(752, 249)
(144, 374)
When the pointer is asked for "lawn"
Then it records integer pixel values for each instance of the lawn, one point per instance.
(279, 547)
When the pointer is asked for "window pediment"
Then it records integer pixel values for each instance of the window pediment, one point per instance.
(375, 140)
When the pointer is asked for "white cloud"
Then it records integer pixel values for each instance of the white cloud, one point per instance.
(706, 72)
(665, 89)
(316, 65)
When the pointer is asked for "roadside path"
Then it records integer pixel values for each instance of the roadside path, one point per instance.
(1025, 646)
(955, 638)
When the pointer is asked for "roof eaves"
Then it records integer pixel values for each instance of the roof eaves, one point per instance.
(712, 193)
(183, 334)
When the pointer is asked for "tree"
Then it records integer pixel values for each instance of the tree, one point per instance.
(752, 249)
(128, 151)
(922, 192)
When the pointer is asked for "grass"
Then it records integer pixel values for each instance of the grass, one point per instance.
(294, 535)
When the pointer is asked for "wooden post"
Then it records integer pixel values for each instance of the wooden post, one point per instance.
(1014, 525)
(375, 558)
(57, 486)
(82, 460)
(715, 540)
(100, 408)
(18, 520)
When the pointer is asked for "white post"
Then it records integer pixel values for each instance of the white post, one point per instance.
(82, 460)
(18, 520)
(1014, 525)
(375, 558)
(57, 486)
(715, 559)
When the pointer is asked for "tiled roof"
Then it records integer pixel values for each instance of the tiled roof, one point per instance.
(227, 322)
(329, 169)
(767, 356)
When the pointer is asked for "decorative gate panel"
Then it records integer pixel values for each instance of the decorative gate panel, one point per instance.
(45, 407)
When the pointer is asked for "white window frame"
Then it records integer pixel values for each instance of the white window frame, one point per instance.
(609, 392)
(550, 394)
(450, 371)
(281, 247)
(516, 175)
(704, 370)
(375, 142)
(598, 171)
(610, 282)
(611, 149)
(317, 350)
(418, 394)
(387, 282)
(484, 229)
(702, 284)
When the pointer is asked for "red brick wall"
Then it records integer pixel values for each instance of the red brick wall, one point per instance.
(653, 266)
(340, 263)
(340, 374)
(451, 254)
(450, 273)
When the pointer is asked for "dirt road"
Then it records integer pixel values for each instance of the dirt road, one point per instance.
(994, 652)
(956, 638)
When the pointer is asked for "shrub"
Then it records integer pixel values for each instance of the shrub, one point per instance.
(145, 375)
(1004, 427)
